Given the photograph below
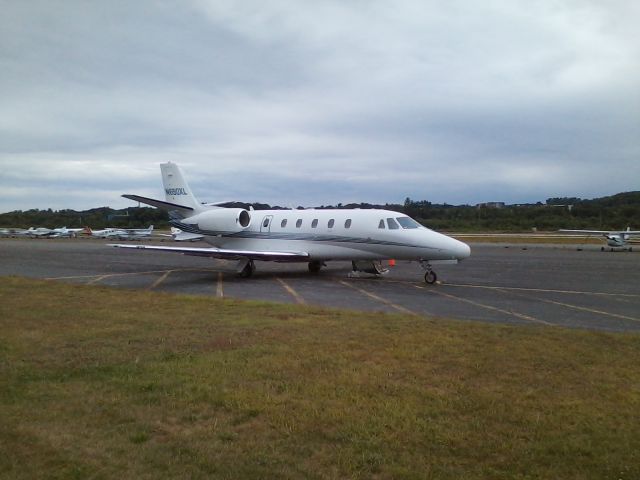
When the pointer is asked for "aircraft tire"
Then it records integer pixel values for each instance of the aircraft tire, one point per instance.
(430, 277)
(315, 266)
(248, 270)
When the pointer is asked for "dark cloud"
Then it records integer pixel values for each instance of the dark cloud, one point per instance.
(323, 103)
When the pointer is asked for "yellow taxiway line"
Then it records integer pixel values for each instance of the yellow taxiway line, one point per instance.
(488, 307)
(159, 280)
(541, 290)
(291, 291)
(577, 307)
(219, 292)
(379, 299)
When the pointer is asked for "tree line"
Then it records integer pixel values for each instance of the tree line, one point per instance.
(606, 213)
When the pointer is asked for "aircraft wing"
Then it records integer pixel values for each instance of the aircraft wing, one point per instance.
(225, 254)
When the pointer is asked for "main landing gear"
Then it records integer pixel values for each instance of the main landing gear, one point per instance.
(430, 276)
(316, 265)
(245, 268)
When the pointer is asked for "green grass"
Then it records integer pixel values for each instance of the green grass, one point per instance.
(104, 383)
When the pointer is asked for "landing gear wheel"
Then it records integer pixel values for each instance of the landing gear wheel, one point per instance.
(248, 269)
(602, 249)
(315, 266)
(430, 277)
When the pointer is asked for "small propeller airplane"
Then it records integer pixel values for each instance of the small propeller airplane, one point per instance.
(365, 237)
(614, 239)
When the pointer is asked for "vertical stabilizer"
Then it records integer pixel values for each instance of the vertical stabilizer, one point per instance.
(176, 188)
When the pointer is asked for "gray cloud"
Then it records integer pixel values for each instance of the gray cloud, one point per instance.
(322, 103)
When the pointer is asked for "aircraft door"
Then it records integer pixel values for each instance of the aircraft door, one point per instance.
(265, 226)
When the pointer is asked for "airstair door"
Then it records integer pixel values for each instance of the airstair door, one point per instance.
(265, 226)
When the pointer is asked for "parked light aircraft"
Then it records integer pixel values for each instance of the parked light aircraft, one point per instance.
(180, 236)
(121, 233)
(13, 232)
(133, 233)
(65, 232)
(614, 239)
(104, 233)
(366, 237)
(38, 232)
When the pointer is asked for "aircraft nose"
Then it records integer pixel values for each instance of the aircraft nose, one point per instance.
(461, 250)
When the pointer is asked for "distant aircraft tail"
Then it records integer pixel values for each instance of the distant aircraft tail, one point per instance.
(176, 188)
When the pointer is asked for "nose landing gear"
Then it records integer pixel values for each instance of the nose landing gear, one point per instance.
(430, 276)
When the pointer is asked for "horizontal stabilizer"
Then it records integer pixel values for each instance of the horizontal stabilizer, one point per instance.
(187, 237)
(225, 254)
(160, 204)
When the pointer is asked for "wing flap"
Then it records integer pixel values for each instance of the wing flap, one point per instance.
(224, 254)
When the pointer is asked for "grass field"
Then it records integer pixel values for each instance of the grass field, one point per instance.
(104, 383)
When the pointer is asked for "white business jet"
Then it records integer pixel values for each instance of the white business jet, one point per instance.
(366, 237)
(614, 239)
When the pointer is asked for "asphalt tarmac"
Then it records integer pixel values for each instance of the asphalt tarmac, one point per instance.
(515, 284)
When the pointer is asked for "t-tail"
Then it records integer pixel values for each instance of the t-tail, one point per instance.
(176, 188)
(179, 201)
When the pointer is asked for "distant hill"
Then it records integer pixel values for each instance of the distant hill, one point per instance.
(612, 212)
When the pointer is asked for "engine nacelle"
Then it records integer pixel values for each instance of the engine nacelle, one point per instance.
(222, 220)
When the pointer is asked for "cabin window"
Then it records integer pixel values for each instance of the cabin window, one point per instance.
(265, 224)
(314, 224)
(347, 224)
(381, 224)
(283, 223)
(406, 222)
(331, 222)
(299, 223)
(391, 223)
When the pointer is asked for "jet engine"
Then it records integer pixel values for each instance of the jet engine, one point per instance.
(221, 220)
(369, 266)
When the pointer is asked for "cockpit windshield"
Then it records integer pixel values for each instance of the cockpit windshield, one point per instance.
(407, 222)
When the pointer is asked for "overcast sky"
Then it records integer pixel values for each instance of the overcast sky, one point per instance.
(318, 102)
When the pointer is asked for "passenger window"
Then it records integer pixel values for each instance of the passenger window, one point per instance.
(299, 223)
(314, 224)
(381, 224)
(347, 224)
(265, 224)
(331, 222)
(283, 223)
(392, 224)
